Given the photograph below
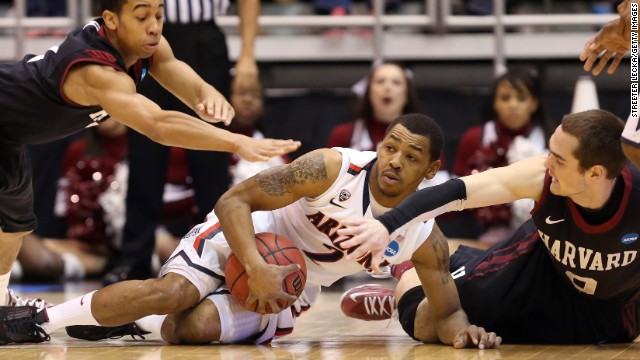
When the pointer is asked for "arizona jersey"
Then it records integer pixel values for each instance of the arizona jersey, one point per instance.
(599, 260)
(312, 223)
(34, 109)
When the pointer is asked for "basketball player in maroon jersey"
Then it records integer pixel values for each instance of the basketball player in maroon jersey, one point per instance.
(568, 275)
(305, 201)
(93, 74)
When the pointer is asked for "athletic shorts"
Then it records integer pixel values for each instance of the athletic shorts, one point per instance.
(16, 193)
(201, 257)
(514, 290)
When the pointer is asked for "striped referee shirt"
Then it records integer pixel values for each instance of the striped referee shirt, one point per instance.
(193, 11)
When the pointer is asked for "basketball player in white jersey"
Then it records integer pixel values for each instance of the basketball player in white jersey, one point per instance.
(305, 201)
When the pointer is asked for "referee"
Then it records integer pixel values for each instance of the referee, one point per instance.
(190, 28)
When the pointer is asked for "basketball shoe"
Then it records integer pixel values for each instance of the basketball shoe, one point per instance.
(21, 324)
(94, 333)
(13, 299)
(368, 302)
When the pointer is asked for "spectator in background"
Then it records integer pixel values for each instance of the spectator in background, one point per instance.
(515, 127)
(386, 93)
(198, 41)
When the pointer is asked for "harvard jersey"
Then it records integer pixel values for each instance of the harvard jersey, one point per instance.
(34, 110)
(598, 260)
(312, 223)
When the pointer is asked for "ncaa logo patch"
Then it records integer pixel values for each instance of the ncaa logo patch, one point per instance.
(630, 238)
(392, 249)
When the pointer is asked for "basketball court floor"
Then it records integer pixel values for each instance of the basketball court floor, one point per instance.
(321, 333)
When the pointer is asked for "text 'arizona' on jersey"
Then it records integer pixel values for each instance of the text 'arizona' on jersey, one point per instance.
(31, 89)
(312, 223)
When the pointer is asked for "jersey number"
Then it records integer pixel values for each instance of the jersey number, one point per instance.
(584, 284)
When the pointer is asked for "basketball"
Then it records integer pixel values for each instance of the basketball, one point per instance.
(276, 250)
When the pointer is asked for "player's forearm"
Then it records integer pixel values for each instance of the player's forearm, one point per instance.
(174, 128)
(237, 225)
(426, 204)
(249, 11)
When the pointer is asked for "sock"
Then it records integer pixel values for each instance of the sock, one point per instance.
(152, 323)
(4, 283)
(399, 269)
(73, 267)
(73, 312)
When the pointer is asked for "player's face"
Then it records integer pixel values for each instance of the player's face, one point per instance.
(514, 106)
(403, 161)
(563, 166)
(388, 92)
(139, 27)
(248, 104)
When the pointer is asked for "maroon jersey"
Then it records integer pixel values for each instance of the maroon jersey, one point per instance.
(597, 259)
(34, 110)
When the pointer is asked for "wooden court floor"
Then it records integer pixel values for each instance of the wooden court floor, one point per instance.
(321, 333)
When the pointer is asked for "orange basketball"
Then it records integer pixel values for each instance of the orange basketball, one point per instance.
(277, 250)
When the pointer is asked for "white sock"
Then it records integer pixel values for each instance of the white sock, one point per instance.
(73, 312)
(73, 267)
(4, 283)
(152, 323)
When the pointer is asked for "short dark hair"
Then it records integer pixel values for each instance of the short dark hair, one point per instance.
(421, 124)
(598, 133)
(364, 108)
(112, 5)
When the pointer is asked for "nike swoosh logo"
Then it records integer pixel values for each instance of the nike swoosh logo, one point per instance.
(338, 205)
(355, 295)
(82, 300)
(551, 222)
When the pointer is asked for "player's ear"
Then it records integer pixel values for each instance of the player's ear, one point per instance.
(598, 172)
(110, 20)
(433, 168)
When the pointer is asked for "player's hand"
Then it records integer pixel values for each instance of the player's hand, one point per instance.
(609, 44)
(215, 108)
(474, 336)
(265, 287)
(368, 236)
(246, 75)
(264, 149)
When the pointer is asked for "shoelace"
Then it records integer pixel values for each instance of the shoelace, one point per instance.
(131, 329)
(27, 326)
(15, 300)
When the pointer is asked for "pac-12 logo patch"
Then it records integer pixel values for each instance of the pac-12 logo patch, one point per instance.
(630, 238)
(344, 195)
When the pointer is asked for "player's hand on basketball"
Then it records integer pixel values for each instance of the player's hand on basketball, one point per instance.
(215, 108)
(265, 287)
(474, 336)
(609, 44)
(264, 149)
(369, 236)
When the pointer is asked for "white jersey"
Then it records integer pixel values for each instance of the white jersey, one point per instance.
(312, 223)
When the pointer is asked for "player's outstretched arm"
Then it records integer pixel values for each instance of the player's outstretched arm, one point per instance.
(182, 81)
(610, 44)
(520, 180)
(440, 317)
(115, 92)
(308, 176)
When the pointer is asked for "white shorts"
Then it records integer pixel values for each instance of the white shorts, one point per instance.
(631, 132)
(201, 257)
